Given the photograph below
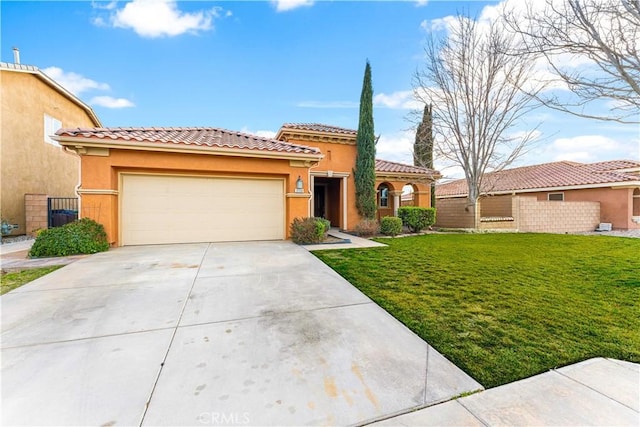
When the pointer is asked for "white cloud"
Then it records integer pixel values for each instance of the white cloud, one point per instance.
(262, 133)
(397, 100)
(420, 3)
(285, 5)
(111, 102)
(396, 147)
(591, 148)
(104, 6)
(266, 133)
(160, 18)
(327, 104)
(73, 82)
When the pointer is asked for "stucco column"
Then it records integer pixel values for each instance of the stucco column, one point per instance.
(396, 201)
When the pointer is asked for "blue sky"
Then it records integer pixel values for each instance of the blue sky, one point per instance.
(254, 65)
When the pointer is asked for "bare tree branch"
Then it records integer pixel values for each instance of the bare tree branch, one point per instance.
(473, 83)
(602, 41)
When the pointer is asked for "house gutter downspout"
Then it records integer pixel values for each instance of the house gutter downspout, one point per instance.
(79, 184)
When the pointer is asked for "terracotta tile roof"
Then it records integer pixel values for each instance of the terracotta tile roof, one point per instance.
(548, 176)
(385, 166)
(190, 136)
(319, 127)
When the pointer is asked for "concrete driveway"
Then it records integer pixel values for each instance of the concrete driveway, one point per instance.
(210, 334)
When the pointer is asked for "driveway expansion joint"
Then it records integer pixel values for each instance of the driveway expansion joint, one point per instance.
(593, 389)
(86, 338)
(173, 335)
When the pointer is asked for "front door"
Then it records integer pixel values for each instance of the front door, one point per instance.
(319, 201)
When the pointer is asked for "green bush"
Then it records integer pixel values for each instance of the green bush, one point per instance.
(326, 223)
(390, 226)
(417, 218)
(367, 228)
(84, 236)
(310, 230)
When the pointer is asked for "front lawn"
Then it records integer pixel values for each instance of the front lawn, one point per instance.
(11, 281)
(507, 306)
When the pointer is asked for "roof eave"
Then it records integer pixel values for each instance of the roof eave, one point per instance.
(407, 176)
(344, 138)
(75, 143)
(619, 184)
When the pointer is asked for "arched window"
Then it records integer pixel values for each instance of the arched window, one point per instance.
(384, 196)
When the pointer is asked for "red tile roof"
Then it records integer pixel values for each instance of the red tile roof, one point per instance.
(319, 127)
(385, 166)
(548, 176)
(189, 136)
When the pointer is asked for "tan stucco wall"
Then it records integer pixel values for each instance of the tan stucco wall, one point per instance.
(29, 164)
(103, 174)
(455, 213)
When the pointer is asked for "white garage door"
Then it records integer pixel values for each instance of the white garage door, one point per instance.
(172, 209)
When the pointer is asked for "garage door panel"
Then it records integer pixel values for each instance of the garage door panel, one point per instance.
(166, 209)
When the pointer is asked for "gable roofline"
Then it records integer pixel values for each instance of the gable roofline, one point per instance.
(316, 132)
(30, 69)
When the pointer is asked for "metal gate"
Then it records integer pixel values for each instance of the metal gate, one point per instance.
(61, 210)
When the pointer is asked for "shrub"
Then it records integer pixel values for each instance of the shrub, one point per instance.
(326, 223)
(391, 226)
(417, 218)
(84, 236)
(310, 230)
(367, 227)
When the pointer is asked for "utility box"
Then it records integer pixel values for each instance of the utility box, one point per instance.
(604, 226)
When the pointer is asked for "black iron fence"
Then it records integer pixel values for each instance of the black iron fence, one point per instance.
(61, 210)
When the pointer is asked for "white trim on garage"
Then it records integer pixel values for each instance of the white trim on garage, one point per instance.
(169, 208)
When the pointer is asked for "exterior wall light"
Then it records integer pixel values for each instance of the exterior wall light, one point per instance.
(299, 185)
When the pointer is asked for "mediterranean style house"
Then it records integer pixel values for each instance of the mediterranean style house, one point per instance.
(34, 107)
(179, 185)
(552, 197)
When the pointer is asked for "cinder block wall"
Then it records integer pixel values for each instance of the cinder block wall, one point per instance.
(556, 217)
(35, 206)
(452, 213)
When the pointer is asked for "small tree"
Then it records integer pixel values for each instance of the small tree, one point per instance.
(365, 170)
(423, 146)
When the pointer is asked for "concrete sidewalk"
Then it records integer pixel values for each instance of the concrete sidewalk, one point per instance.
(351, 242)
(14, 257)
(591, 393)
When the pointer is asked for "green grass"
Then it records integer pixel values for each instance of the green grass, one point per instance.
(11, 281)
(507, 306)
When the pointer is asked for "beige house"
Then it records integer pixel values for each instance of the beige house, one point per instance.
(34, 107)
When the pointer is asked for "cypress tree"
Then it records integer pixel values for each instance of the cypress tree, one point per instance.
(365, 170)
(423, 146)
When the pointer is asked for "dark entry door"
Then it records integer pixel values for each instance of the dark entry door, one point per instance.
(319, 199)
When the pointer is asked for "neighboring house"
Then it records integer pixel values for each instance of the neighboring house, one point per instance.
(559, 196)
(178, 185)
(34, 107)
